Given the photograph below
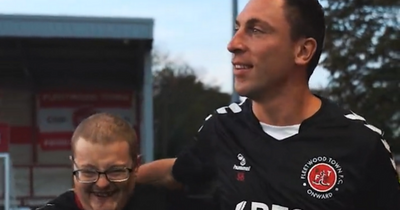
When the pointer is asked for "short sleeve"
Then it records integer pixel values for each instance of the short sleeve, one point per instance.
(383, 180)
(196, 163)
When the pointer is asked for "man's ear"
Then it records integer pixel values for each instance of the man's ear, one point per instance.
(71, 158)
(138, 161)
(304, 51)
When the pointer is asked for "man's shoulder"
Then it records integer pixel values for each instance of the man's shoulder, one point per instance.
(358, 127)
(232, 110)
(63, 202)
(365, 134)
(227, 116)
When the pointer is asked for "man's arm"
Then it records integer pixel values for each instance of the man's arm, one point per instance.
(158, 173)
(194, 164)
(384, 186)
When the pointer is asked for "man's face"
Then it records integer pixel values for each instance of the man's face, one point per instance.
(103, 195)
(262, 48)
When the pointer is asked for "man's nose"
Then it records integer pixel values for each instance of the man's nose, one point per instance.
(236, 45)
(102, 182)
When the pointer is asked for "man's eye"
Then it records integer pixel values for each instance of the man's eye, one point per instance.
(253, 30)
(256, 30)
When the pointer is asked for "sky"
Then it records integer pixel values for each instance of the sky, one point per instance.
(193, 32)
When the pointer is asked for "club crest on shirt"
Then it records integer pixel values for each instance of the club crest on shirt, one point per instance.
(322, 177)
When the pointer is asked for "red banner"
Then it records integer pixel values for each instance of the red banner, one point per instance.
(4, 137)
(55, 140)
(21, 135)
(59, 112)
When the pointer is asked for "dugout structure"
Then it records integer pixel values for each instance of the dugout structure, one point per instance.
(55, 71)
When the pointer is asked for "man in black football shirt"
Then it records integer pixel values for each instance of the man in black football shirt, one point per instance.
(283, 148)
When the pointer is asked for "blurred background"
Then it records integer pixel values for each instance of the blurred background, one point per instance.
(164, 67)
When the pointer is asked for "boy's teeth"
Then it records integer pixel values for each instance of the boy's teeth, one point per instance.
(103, 194)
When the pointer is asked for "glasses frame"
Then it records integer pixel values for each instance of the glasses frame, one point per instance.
(99, 173)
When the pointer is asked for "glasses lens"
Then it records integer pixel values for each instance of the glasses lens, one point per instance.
(87, 175)
(117, 175)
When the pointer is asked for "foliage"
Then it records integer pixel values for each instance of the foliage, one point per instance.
(363, 57)
(181, 103)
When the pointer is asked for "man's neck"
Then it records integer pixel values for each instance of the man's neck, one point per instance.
(288, 107)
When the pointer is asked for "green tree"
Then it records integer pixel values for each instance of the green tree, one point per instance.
(181, 103)
(363, 58)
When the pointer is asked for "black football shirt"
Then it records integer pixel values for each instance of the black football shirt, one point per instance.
(337, 161)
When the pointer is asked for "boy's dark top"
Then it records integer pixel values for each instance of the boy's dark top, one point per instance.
(146, 197)
(337, 161)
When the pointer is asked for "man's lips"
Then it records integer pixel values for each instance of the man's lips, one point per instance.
(241, 69)
(242, 66)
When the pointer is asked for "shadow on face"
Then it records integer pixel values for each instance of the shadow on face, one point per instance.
(112, 188)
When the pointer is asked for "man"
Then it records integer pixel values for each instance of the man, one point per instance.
(283, 148)
(104, 160)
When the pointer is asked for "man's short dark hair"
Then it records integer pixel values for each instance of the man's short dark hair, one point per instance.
(105, 128)
(306, 19)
